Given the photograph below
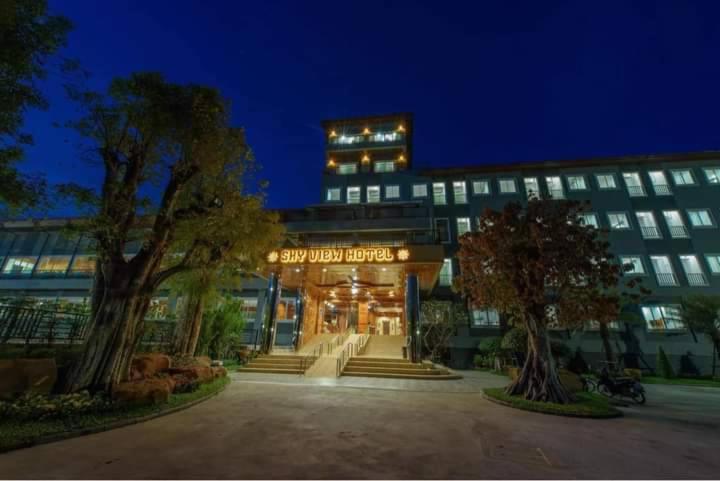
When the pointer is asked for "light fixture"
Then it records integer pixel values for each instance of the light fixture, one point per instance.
(324, 269)
(401, 128)
(366, 131)
(384, 269)
(366, 158)
(331, 163)
(401, 158)
(353, 269)
(297, 269)
(333, 133)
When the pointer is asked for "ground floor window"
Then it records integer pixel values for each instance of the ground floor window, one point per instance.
(19, 266)
(485, 317)
(446, 273)
(595, 325)
(663, 317)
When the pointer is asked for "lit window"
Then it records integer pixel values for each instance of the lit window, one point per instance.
(555, 188)
(634, 184)
(635, 262)
(700, 217)
(373, 193)
(439, 193)
(713, 261)
(507, 186)
(446, 273)
(463, 225)
(419, 190)
(576, 182)
(353, 195)
(53, 265)
(648, 227)
(618, 220)
(675, 224)
(333, 194)
(347, 169)
(589, 218)
(683, 177)
(659, 182)
(664, 272)
(485, 318)
(532, 187)
(481, 187)
(442, 230)
(392, 191)
(83, 265)
(19, 265)
(606, 181)
(659, 318)
(384, 166)
(693, 271)
(460, 191)
(712, 175)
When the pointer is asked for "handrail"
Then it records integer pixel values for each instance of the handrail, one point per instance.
(309, 359)
(344, 357)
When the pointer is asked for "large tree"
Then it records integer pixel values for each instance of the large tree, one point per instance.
(175, 181)
(540, 264)
(702, 314)
(29, 36)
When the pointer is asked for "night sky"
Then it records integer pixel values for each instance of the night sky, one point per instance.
(488, 82)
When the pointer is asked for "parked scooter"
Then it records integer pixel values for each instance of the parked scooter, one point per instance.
(612, 386)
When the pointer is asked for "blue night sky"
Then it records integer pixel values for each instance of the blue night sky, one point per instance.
(488, 81)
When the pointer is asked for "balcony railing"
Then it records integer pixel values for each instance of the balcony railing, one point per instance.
(636, 191)
(696, 279)
(662, 189)
(650, 232)
(666, 279)
(678, 231)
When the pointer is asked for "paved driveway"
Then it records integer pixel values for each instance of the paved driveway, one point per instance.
(281, 427)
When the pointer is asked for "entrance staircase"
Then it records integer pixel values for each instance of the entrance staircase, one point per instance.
(275, 364)
(395, 369)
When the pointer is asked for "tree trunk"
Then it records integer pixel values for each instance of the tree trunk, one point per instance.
(188, 329)
(116, 326)
(605, 336)
(539, 380)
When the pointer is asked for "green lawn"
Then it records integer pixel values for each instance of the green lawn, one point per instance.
(588, 405)
(681, 381)
(15, 434)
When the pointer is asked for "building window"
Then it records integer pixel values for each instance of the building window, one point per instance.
(675, 224)
(485, 318)
(663, 271)
(442, 230)
(347, 169)
(618, 220)
(373, 193)
(636, 264)
(53, 265)
(446, 273)
(419, 190)
(83, 265)
(589, 218)
(463, 225)
(507, 186)
(633, 184)
(481, 187)
(353, 195)
(713, 261)
(576, 182)
(660, 318)
(700, 218)
(19, 265)
(659, 182)
(532, 187)
(333, 194)
(439, 193)
(460, 192)
(381, 166)
(683, 177)
(606, 181)
(555, 188)
(693, 271)
(392, 191)
(712, 175)
(648, 226)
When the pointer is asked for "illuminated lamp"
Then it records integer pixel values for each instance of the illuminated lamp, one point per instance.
(331, 163)
(366, 131)
(366, 158)
(401, 128)
(401, 158)
(333, 133)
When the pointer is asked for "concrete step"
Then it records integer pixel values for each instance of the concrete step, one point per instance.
(380, 370)
(400, 365)
(273, 360)
(269, 370)
(426, 377)
(274, 366)
(278, 356)
(381, 359)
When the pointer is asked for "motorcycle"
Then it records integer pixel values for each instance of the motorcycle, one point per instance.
(611, 386)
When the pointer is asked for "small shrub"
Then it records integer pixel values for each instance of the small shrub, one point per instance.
(39, 407)
(664, 367)
(515, 340)
(490, 345)
(479, 360)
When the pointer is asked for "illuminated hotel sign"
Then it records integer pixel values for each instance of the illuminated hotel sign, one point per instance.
(339, 255)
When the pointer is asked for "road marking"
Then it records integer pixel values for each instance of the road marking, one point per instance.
(544, 457)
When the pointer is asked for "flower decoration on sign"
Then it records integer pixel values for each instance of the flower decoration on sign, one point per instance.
(272, 257)
(403, 254)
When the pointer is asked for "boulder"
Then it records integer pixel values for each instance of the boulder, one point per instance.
(197, 373)
(145, 391)
(147, 365)
(18, 376)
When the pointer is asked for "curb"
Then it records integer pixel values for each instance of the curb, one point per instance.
(617, 414)
(107, 427)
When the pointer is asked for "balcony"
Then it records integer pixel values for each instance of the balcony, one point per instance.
(696, 279)
(636, 191)
(650, 232)
(662, 189)
(678, 232)
(366, 141)
(666, 279)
